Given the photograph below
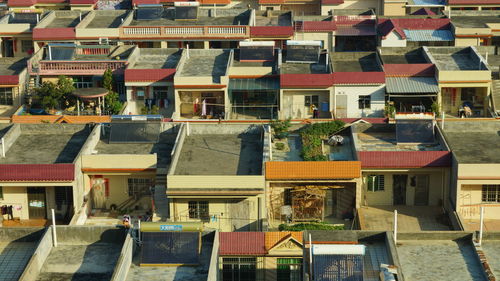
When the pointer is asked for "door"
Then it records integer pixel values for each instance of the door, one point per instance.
(422, 190)
(341, 106)
(7, 47)
(399, 189)
(36, 203)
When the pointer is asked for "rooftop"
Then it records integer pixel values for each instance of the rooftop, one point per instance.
(400, 55)
(47, 144)
(63, 19)
(221, 154)
(456, 58)
(205, 18)
(12, 66)
(83, 52)
(457, 260)
(474, 19)
(211, 62)
(382, 137)
(305, 68)
(171, 273)
(107, 19)
(21, 18)
(155, 58)
(491, 249)
(355, 62)
(474, 142)
(273, 18)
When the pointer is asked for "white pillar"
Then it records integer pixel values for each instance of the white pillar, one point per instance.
(481, 223)
(395, 226)
(54, 233)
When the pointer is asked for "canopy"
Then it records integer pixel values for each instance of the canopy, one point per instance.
(410, 86)
(90, 93)
(265, 83)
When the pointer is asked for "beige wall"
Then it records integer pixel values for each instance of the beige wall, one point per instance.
(17, 197)
(119, 161)
(227, 219)
(325, 37)
(394, 8)
(292, 102)
(353, 4)
(469, 203)
(211, 182)
(385, 197)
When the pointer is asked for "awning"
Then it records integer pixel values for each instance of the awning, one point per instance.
(409, 86)
(264, 83)
(428, 35)
(355, 30)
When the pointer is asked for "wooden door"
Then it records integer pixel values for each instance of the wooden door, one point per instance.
(37, 203)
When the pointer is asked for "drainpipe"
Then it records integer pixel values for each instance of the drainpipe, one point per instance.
(54, 233)
(310, 258)
(481, 223)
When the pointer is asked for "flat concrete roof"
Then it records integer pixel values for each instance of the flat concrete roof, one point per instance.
(12, 66)
(355, 62)
(491, 249)
(162, 148)
(273, 18)
(121, 52)
(410, 218)
(206, 63)
(474, 21)
(224, 17)
(171, 273)
(154, 58)
(382, 137)
(402, 55)
(439, 260)
(107, 19)
(47, 144)
(455, 58)
(64, 21)
(474, 142)
(224, 154)
(305, 68)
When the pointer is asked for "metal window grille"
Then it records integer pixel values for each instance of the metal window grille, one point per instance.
(289, 269)
(239, 269)
(198, 210)
(138, 186)
(364, 102)
(6, 96)
(491, 193)
(376, 182)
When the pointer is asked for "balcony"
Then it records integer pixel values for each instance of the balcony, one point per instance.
(185, 32)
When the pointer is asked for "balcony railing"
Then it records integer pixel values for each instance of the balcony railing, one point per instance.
(52, 67)
(185, 31)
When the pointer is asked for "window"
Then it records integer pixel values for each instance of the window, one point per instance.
(198, 210)
(467, 94)
(375, 182)
(491, 193)
(239, 269)
(6, 96)
(138, 186)
(1, 193)
(364, 102)
(289, 269)
(83, 82)
(311, 100)
(26, 46)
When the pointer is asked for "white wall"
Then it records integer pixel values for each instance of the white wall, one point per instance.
(393, 39)
(353, 92)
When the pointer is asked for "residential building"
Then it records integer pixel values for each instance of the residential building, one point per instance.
(468, 5)
(415, 32)
(476, 28)
(13, 75)
(16, 34)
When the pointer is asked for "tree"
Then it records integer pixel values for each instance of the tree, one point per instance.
(113, 103)
(56, 95)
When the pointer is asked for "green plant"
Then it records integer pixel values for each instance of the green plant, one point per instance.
(309, 226)
(144, 110)
(280, 128)
(389, 110)
(312, 136)
(280, 146)
(435, 108)
(56, 95)
(155, 109)
(112, 99)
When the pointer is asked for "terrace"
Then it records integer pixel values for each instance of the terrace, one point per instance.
(102, 24)
(69, 59)
(356, 62)
(457, 59)
(408, 55)
(19, 22)
(12, 66)
(319, 67)
(149, 59)
(208, 23)
(474, 19)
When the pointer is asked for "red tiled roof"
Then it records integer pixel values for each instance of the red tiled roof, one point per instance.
(21, 3)
(82, 2)
(242, 243)
(9, 79)
(271, 31)
(404, 159)
(54, 33)
(423, 12)
(140, 2)
(318, 26)
(386, 26)
(332, 2)
(406, 70)
(50, 1)
(473, 2)
(37, 172)
(306, 80)
(211, 2)
(149, 75)
(359, 78)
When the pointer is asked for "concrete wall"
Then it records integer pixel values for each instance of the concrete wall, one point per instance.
(83, 235)
(17, 197)
(213, 270)
(326, 37)
(394, 8)
(377, 94)
(119, 161)
(176, 150)
(21, 234)
(393, 39)
(224, 129)
(211, 182)
(11, 136)
(352, 4)
(293, 103)
(36, 262)
(125, 259)
(437, 185)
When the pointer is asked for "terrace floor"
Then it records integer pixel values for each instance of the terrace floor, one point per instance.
(63, 22)
(410, 218)
(439, 260)
(491, 249)
(13, 259)
(488, 225)
(209, 65)
(455, 62)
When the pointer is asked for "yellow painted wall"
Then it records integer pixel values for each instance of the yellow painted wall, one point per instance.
(394, 9)
(293, 103)
(16, 195)
(385, 197)
(218, 207)
(469, 203)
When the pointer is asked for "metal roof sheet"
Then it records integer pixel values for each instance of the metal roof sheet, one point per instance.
(404, 159)
(263, 83)
(427, 2)
(37, 172)
(428, 35)
(405, 85)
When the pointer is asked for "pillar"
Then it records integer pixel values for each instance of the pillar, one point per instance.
(206, 45)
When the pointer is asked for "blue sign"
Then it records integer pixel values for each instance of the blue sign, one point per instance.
(170, 227)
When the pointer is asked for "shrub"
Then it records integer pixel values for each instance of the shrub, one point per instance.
(280, 146)
(280, 128)
(309, 226)
(312, 136)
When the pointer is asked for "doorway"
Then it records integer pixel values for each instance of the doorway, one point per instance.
(7, 47)
(399, 189)
(37, 203)
(422, 190)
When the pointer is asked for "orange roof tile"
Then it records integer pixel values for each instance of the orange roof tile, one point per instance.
(307, 170)
(83, 119)
(274, 238)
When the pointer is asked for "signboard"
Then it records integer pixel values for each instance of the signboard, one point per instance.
(164, 227)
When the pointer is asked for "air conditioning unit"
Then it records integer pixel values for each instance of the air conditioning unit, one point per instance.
(103, 41)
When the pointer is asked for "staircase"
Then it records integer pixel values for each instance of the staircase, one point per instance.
(495, 96)
(161, 209)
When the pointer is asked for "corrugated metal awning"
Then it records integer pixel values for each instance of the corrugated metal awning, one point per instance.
(411, 85)
(355, 30)
(428, 35)
(264, 83)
